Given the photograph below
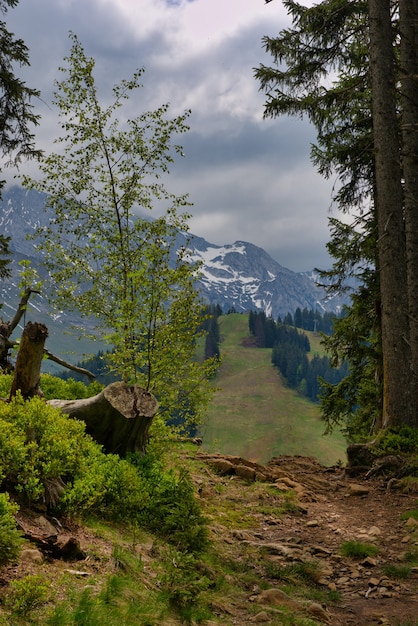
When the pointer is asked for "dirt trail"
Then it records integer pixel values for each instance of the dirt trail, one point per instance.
(336, 508)
(333, 516)
(242, 501)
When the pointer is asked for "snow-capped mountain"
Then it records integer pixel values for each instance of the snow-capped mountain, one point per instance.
(243, 276)
(239, 275)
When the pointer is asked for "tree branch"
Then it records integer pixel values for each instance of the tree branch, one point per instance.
(20, 310)
(70, 366)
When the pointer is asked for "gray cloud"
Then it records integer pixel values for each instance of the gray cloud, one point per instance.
(248, 178)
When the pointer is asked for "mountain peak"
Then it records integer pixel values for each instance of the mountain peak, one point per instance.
(239, 275)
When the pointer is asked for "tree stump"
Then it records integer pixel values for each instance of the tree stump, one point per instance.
(29, 360)
(360, 458)
(119, 417)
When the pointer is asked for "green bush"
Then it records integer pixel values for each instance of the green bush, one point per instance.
(10, 538)
(5, 385)
(173, 510)
(107, 485)
(39, 444)
(40, 447)
(403, 439)
(54, 387)
(397, 572)
(183, 582)
(27, 594)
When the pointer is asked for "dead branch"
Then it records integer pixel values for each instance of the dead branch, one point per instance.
(70, 366)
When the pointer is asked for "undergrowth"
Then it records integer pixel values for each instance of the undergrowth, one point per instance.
(47, 460)
(397, 440)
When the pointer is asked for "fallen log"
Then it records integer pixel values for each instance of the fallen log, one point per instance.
(119, 417)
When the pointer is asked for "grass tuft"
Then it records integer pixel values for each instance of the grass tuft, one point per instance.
(358, 550)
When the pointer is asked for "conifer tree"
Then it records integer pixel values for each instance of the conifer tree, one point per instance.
(338, 66)
(17, 141)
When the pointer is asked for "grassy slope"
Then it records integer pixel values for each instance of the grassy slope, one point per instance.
(254, 415)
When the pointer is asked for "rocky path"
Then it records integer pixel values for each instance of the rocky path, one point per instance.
(335, 509)
(266, 520)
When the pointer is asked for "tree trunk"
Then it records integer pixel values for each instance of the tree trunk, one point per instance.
(397, 404)
(7, 328)
(119, 417)
(29, 360)
(408, 20)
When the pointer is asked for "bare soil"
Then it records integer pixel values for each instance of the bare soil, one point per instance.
(371, 518)
(328, 516)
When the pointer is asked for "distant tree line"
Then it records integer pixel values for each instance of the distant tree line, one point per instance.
(290, 347)
(211, 326)
(99, 365)
(308, 319)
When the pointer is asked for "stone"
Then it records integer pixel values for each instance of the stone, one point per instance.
(358, 490)
(369, 562)
(320, 551)
(222, 466)
(278, 548)
(262, 618)
(31, 555)
(277, 597)
(241, 535)
(412, 523)
(285, 483)
(78, 573)
(45, 525)
(243, 471)
(68, 548)
(317, 611)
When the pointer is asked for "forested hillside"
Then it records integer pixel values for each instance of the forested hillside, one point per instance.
(303, 369)
(254, 413)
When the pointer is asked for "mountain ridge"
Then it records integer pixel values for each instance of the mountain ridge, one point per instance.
(239, 276)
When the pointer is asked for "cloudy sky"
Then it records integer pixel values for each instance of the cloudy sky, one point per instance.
(248, 179)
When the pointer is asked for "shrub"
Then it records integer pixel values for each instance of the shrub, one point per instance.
(397, 572)
(27, 594)
(10, 539)
(108, 485)
(402, 439)
(309, 572)
(70, 389)
(54, 387)
(39, 444)
(183, 582)
(5, 385)
(173, 510)
(410, 513)
(40, 449)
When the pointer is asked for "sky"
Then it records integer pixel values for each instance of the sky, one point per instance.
(248, 178)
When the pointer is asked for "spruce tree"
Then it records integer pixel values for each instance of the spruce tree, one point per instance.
(338, 65)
